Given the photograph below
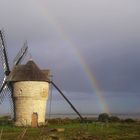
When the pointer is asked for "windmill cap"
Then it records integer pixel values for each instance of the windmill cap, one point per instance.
(28, 72)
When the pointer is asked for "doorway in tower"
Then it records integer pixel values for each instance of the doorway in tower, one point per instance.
(34, 119)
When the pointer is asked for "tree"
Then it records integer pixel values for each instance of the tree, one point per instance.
(104, 117)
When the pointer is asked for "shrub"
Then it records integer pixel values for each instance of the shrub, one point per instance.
(104, 117)
(129, 120)
(114, 119)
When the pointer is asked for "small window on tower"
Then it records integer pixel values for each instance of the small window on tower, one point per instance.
(20, 92)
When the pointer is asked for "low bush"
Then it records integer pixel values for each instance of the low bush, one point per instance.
(129, 120)
(114, 119)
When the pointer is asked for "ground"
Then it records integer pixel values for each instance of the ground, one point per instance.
(73, 131)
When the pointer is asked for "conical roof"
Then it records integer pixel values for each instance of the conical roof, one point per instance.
(28, 72)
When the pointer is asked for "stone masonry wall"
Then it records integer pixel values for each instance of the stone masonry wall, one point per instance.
(30, 97)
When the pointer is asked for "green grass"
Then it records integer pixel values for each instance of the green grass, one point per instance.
(73, 131)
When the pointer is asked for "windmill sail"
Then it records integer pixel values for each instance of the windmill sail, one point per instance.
(2, 92)
(3, 54)
(21, 54)
(5, 87)
(5, 65)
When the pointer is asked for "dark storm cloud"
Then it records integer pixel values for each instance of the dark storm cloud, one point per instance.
(120, 76)
(106, 32)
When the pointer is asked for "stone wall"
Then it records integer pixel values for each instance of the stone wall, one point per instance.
(30, 97)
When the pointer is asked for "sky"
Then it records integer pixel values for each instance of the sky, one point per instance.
(92, 48)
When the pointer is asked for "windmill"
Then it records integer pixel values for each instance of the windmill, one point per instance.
(28, 88)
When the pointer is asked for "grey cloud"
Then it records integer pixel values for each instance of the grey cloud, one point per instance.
(104, 31)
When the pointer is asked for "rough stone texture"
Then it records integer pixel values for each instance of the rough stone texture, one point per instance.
(30, 97)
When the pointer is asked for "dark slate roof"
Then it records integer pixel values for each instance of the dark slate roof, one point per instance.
(28, 72)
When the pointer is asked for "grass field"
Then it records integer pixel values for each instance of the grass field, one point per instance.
(73, 131)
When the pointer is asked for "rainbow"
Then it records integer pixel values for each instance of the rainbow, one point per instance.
(86, 68)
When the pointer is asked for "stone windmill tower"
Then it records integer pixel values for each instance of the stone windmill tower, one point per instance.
(30, 93)
(28, 86)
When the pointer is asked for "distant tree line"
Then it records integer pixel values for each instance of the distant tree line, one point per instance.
(104, 117)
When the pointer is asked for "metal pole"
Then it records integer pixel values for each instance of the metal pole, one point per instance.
(81, 118)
